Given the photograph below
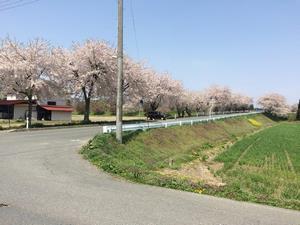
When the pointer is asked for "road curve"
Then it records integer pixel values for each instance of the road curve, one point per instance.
(44, 181)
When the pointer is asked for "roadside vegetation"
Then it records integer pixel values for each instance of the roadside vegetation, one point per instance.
(249, 158)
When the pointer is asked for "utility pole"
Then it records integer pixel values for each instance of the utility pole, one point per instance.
(119, 119)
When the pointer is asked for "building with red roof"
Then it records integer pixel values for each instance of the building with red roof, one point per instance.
(47, 110)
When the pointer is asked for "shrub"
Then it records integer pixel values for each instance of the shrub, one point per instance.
(37, 125)
(255, 123)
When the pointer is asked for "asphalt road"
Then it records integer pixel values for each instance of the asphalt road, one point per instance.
(44, 181)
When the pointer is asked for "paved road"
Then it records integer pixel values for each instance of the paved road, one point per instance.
(45, 182)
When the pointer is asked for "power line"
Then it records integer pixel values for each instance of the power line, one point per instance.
(20, 4)
(15, 4)
(134, 29)
(10, 3)
(4, 1)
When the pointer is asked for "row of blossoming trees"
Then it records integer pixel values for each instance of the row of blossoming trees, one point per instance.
(87, 71)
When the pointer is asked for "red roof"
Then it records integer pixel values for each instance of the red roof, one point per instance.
(57, 108)
(14, 102)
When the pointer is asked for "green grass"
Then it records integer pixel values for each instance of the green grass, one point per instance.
(264, 167)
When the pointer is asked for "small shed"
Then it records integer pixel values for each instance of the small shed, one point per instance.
(54, 112)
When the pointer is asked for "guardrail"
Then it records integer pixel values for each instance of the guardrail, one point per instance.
(178, 122)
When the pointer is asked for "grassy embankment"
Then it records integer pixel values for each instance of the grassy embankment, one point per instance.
(262, 166)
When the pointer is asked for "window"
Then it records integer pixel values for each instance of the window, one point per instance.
(51, 103)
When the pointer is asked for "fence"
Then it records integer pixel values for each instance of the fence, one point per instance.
(178, 122)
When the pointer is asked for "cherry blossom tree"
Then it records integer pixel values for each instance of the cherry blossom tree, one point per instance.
(87, 70)
(154, 90)
(191, 102)
(294, 108)
(274, 104)
(1, 87)
(133, 85)
(240, 102)
(177, 101)
(202, 103)
(219, 97)
(25, 70)
(158, 87)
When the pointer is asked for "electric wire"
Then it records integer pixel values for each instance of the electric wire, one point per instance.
(10, 3)
(134, 29)
(17, 5)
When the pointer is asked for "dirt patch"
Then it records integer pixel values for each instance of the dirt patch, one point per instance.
(215, 166)
(197, 171)
(202, 170)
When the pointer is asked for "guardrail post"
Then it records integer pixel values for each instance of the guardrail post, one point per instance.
(166, 125)
(104, 129)
(180, 123)
(192, 122)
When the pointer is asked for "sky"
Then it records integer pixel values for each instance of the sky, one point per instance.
(251, 46)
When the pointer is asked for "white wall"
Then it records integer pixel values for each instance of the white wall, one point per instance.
(11, 97)
(63, 116)
(20, 111)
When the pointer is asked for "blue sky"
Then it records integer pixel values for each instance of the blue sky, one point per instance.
(252, 46)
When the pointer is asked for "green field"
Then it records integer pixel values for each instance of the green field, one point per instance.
(264, 167)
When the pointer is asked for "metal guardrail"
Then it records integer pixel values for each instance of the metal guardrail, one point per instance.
(181, 122)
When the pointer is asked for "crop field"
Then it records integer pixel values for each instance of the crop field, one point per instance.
(264, 167)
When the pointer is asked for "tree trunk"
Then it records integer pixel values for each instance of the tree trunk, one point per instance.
(29, 111)
(188, 111)
(178, 112)
(86, 118)
(153, 106)
(87, 103)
